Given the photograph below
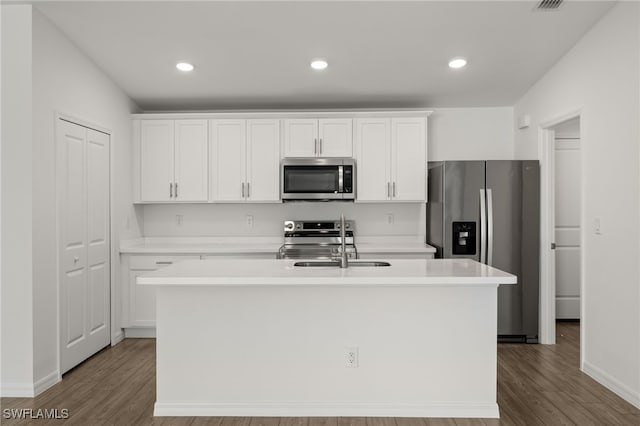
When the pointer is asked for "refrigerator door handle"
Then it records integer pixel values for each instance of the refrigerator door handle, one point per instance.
(483, 228)
(489, 228)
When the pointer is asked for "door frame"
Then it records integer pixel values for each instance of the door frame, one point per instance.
(546, 153)
(116, 334)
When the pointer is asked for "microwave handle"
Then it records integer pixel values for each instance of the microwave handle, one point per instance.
(341, 179)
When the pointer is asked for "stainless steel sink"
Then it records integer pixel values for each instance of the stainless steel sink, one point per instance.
(336, 264)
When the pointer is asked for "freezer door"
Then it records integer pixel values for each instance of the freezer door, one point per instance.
(435, 207)
(513, 241)
(463, 189)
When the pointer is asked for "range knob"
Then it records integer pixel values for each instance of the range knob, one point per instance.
(288, 225)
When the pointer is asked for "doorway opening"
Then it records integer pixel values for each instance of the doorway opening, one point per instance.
(561, 224)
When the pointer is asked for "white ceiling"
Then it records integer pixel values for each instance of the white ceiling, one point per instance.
(380, 54)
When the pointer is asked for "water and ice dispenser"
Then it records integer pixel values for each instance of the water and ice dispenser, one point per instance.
(464, 238)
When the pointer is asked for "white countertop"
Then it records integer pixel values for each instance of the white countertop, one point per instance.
(240, 272)
(267, 245)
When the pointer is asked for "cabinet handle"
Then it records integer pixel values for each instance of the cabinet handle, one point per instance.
(242, 189)
(315, 146)
(175, 189)
(320, 146)
(248, 190)
(170, 190)
(159, 262)
(394, 189)
(388, 189)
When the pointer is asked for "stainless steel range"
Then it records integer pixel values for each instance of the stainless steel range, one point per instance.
(316, 239)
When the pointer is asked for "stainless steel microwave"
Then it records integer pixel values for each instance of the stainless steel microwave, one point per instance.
(318, 179)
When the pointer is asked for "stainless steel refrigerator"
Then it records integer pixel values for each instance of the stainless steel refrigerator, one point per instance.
(490, 211)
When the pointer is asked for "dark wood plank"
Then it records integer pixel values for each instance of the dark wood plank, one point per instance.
(323, 421)
(294, 421)
(537, 385)
(381, 421)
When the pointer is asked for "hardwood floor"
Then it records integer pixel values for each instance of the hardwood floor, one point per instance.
(537, 385)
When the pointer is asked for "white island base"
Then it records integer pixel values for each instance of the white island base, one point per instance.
(262, 338)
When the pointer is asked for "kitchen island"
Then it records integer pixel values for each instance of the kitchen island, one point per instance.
(267, 338)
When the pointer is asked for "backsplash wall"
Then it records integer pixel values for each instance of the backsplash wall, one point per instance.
(213, 220)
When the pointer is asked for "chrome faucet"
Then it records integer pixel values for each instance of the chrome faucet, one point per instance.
(344, 262)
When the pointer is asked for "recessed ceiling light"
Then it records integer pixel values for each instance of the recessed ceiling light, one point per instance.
(319, 64)
(184, 66)
(457, 63)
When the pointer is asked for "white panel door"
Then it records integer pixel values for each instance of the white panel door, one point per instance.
(157, 155)
(408, 159)
(263, 160)
(567, 231)
(335, 137)
(191, 160)
(300, 137)
(98, 239)
(83, 194)
(373, 153)
(228, 160)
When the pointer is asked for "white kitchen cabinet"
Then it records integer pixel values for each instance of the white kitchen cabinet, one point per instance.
(391, 159)
(139, 301)
(325, 137)
(173, 160)
(245, 159)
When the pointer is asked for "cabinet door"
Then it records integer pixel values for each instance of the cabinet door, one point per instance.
(142, 301)
(373, 151)
(409, 159)
(263, 160)
(191, 160)
(300, 137)
(156, 174)
(335, 137)
(228, 160)
(142, 298)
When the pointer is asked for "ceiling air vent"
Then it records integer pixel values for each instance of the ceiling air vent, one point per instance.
(549, 5)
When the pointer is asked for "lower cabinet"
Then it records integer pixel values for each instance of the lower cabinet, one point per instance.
(139, 301)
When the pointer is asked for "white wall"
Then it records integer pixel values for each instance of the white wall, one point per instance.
(600, 77)
(16, 291)
(230, 219)
(471, 134)
(64, 81)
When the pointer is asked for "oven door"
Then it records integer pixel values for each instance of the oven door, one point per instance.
(312, 182)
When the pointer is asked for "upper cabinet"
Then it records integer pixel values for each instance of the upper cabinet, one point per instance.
(245, 160)
(173, 160)
(391, 159)
(325, 137)
(235, 157)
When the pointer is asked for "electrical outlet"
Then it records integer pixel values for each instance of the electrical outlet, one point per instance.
(249, 219)
(351, 357)
(389, 218)
(179, 219)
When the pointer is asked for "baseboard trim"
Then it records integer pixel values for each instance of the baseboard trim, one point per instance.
(117, 337)
(285, 409)
(140, 333)
(613, 384)
(47, 381)
(17, 390)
